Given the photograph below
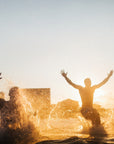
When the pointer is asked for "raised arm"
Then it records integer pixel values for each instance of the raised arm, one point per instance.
(69, 81)
(105, 80)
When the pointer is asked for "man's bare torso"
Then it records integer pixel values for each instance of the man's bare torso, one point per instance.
(86, 95)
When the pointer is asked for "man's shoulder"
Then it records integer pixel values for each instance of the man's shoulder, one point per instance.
(94, 87)
(81, 88)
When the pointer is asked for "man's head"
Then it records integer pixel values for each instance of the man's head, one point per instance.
(87, 82)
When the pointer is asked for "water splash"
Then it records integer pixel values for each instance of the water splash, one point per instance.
(25, 125)
(18, 124)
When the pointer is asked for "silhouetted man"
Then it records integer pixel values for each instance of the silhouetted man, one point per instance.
(86, 94)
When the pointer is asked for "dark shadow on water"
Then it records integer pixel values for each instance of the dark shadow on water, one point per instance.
(16, 136)
(98, 135)
(77, 140)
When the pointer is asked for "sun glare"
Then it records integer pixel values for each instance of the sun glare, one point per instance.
(98, 94)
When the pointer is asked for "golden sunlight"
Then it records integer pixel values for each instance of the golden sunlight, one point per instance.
(98, 94)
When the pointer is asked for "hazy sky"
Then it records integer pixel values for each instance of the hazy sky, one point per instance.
(38, 38)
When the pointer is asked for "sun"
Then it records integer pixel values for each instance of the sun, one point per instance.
(98, 95)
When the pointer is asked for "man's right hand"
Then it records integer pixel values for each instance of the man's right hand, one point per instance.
(110, 74)
(63, 73)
